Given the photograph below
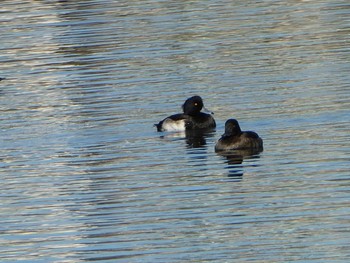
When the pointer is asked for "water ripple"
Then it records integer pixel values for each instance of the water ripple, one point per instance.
(85, 176)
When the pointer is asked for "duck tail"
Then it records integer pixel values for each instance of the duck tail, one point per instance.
(159, 126)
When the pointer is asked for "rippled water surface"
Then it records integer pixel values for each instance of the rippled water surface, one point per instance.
(86, 177)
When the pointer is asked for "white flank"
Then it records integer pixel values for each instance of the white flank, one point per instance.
(171, 125)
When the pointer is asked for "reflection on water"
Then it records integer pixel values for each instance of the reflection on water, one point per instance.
(196, 139)
(193, 138)
(235, 159)
(86, 177)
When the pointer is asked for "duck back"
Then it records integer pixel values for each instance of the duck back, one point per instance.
(245, 140)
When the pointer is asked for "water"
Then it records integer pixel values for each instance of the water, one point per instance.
(85, 176)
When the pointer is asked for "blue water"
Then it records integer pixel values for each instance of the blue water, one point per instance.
(86, 177)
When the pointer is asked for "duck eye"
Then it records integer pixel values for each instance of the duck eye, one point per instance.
(195, 104)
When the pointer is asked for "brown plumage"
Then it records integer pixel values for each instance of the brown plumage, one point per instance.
(236, 139)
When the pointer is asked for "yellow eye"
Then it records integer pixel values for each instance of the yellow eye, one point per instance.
(195, 104)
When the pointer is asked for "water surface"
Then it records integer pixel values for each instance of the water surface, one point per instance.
(86, 177)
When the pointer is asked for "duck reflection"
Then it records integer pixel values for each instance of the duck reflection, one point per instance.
(234, 159)
(197, 138)
(193, 138)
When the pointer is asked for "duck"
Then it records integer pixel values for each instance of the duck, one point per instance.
(191, 119)
(236, 139)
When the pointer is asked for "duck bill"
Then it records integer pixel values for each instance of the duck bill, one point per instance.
(207, 111)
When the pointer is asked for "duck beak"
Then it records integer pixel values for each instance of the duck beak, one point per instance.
(207, 111)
